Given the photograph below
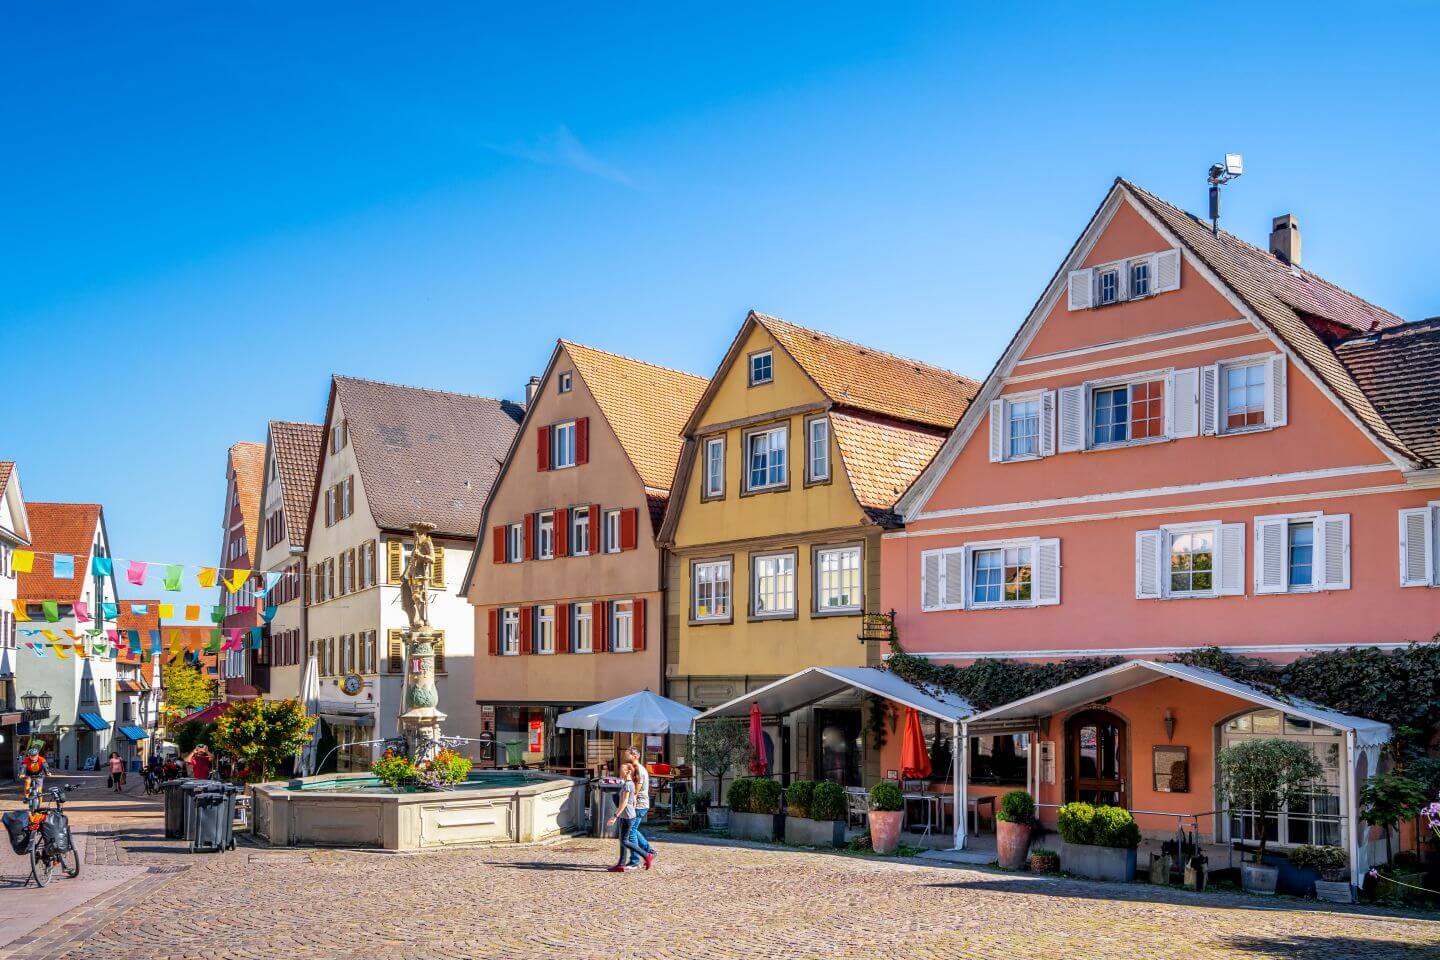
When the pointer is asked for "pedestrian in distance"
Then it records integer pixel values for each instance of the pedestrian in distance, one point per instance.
(200, 760)
(638, 839)
(625, 817)
(117, 772)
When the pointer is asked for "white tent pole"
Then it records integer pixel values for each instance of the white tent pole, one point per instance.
(1351, 818)
(959, 750)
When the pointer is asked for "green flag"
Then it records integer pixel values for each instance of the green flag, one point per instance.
(52, 610)
(173, 572)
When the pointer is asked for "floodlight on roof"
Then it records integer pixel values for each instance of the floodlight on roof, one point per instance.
(1221, 174)
(1234, 164)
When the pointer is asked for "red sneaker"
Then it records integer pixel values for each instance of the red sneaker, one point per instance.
(649, 858)
(617, 869)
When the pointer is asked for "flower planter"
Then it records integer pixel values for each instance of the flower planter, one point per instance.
(1098, 863)
(1160, 869)
(754, 826)
(1012, 842)
(1259, 878)
(1334, 891)
(719, 817)
(885, 830)
(804, 832)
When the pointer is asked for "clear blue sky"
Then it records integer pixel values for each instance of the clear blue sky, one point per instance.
(207, 211)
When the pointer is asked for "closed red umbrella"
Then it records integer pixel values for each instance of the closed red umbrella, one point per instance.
(914, 758)
(758, 763)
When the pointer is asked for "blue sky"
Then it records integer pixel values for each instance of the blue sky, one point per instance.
(208, 211)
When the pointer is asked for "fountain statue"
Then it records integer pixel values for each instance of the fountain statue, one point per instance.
(419, 719)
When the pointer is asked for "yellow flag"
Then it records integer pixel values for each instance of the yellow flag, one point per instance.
(80, 649)
(206, 577)
(236, 580)
(60, 651)
(23, 560)
(50, 635)
(192, 611)
(167, 611)
(21, 614)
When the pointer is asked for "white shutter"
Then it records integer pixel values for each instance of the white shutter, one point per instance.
(932, 580)
(1122, 281)
(1047, 423)
(1082, 289)
(1231, 560)
(956, 591)
(1209, 399)
(997, 431)
(1183, 403)
(1275, 394)
(1332, 560)
(1417, 550)
(1047, 573)
(1147, 563)
(1167, 271)
(1270, 554)
(1071, 417)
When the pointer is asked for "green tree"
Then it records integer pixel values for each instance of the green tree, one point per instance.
(717, 746)
(186, 689)
(262, 734)
(1389, 798)
(1264, 776)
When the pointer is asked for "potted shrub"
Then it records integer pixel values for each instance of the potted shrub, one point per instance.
(1043, 860)
(717, 747)
(1261, 777)
(815, 814)
(1012, 828)
(887, 812)
(754, 809)
(1328, 868)
(1100, 841)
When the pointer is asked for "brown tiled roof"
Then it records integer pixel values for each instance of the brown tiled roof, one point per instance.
(59, 528)
(656, 502)
(1399, 370)
(297, 451)
(646, 405)
(247, 460)
(7, 467)
(1285, 298)
(862, 378)
(425, 454)
(882, 458)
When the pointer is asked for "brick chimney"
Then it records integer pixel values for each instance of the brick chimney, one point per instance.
(531, 387)
(1285, 239)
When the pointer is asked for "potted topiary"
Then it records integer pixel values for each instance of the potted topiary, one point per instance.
(754, 809)
(1043, 860)
(1100, 841)
(1262, 777)
(815, 814)
(1328, 868)
(1012, 828)
(887, 812)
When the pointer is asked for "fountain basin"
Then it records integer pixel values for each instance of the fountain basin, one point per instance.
(356, 810)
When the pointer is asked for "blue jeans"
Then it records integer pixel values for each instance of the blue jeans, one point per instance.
(625, 827)
(636, 840)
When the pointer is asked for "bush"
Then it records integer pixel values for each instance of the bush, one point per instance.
(764, 795)
(738, 796)
(799, 797)
(1312, 857)
(1084, 823)
(886, 796)
(393, 770)
(1017, 806)
(828, 802)
(701, 799)
(1266, 776)
(450, 767)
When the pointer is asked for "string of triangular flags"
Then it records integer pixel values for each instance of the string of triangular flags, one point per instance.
(80, 610)
(62, 567)
(90, 642)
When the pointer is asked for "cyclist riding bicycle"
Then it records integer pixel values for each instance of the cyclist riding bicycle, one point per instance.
(33, 770)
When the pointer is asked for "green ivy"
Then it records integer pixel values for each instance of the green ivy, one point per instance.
(989, 683)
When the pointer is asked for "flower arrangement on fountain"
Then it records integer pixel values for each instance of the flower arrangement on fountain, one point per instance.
(441, 772)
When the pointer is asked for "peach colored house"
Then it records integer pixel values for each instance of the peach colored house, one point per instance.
(567, 577)
(1190, 441)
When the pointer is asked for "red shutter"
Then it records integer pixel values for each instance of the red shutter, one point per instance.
(582, 440)
(499, 544)
(527, 616)
(600, 625)
(595, 529)
(542, 448)
(494, 631)
(638, 625)
(562, 628)
(629, 525)
(529, 536)
(562, 532)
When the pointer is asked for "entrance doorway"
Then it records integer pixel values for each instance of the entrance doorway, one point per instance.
(1096, 768)
(837, 746)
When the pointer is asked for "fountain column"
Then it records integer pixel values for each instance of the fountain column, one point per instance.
(419, 718)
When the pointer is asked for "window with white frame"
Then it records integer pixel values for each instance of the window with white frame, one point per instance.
(515, 543)
(817, 449)
(1123, 280)
(582, 627)
(1001, 575)
(765, 458)
(715, 467)
(1244, 393)
(566, 381)
(837, 579)
(369, 653)
(1022, 428)
(562, 445)
(1192, 563)
(545, 629)
(611, 530)
(622, 626)
(762, 368)
(1107, 285)
(1300, 553)
(991, 574)
(510, 631)
(545, 536)
(1121, 413)
(579, 541)
(1140, 278)
(711, 590)
(1205, 559)
(772, 585)
(1317, 817)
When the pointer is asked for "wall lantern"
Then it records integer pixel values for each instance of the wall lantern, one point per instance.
(1169, 724)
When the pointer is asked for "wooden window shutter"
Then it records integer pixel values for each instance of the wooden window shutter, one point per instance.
(595, 545)
(330, 578)
(394, 561)
(499, 538)
(1333, 534)
(562, 628)
(997, 431)
(600, 625)
(582, 440)
(1149, 554)
(637, 624)
(562, 532)
(329, 506)
(439, 645)
(371, 574)
(396, 652)
(1417, 551)
(530, 536)
(629, 528)
(1047, 423)
(349, 495)
(1047, 573)
(437, 572)
(542, 448)
(1070, 419)
(1270, 568)
(527, 623)
(1230, 572)
(1081, 288)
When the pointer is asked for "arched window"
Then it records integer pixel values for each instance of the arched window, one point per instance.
(1319, 817)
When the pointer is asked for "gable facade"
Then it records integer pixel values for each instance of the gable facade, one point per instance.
(291, 461)
(239, 551)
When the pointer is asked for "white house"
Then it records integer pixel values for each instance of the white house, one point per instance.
(14, 534)
(292, 458)
(392, 456)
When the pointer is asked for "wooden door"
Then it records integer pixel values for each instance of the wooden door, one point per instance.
(1096, 758)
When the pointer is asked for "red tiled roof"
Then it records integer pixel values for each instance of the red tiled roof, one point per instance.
(59, 528)
(207, 715)
(247, 461)
(297, 450)
(882, 458)
(1399, 370)
(6, 468)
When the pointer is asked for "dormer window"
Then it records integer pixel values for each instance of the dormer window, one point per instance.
(567, 380)
(1140, 278)
(1108, 285)
(762, 368)
(1123, 280)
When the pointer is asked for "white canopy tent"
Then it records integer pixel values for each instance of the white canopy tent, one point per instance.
(642, 712)
(310, 699)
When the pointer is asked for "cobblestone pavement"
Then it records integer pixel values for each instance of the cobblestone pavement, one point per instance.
(706, 901)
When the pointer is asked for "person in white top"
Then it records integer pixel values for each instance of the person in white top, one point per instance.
(638, 840)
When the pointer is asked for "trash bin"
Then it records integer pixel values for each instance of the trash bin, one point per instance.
(194, 790)
(604, 801)
(212, 822)
(175, 808)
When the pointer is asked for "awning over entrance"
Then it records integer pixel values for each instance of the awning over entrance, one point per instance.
(94, 722)
(131, 732)
(1137, 673)
(207, 715)
(814, 684)
(336, 719)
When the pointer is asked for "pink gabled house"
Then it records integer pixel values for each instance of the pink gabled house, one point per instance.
(1189, 442)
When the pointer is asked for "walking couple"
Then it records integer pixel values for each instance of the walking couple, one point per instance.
(634, 805)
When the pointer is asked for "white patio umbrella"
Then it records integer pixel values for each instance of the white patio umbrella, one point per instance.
(642, 712)
(310, 697)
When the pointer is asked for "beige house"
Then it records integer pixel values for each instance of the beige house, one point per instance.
(566, 579)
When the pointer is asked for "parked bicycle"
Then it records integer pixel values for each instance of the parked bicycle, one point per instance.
(43, 833)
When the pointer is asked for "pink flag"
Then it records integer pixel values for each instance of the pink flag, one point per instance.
(82, 610)
(114, 636)
(137, 572)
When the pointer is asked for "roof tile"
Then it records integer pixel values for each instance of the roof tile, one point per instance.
(882, 458)
(59, 528)
(297, 450)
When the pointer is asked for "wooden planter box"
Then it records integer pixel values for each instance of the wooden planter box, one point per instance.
(1334, 891)
(755, 826)
(1098, 863)
(804, 832)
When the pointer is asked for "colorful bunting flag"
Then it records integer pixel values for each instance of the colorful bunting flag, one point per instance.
(214, 645)
(136, 574)
(110, 610)
(236, 580)
(38, 650)
(173, 573)
(206, 577)
(81, 651)
(21, 613)
(63, 566)
(135, 642)
(52, 610)
(102, 567)
(255, 633)
(269, 613)
(155, 642)
(82, 611)
(139, 609)
(72, 634)
(23, 561)
(60, 651)
(167, 611)
(50, 635)
(192, 612)
(217, 614)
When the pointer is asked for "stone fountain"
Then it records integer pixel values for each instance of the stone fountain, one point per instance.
(420, 717)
